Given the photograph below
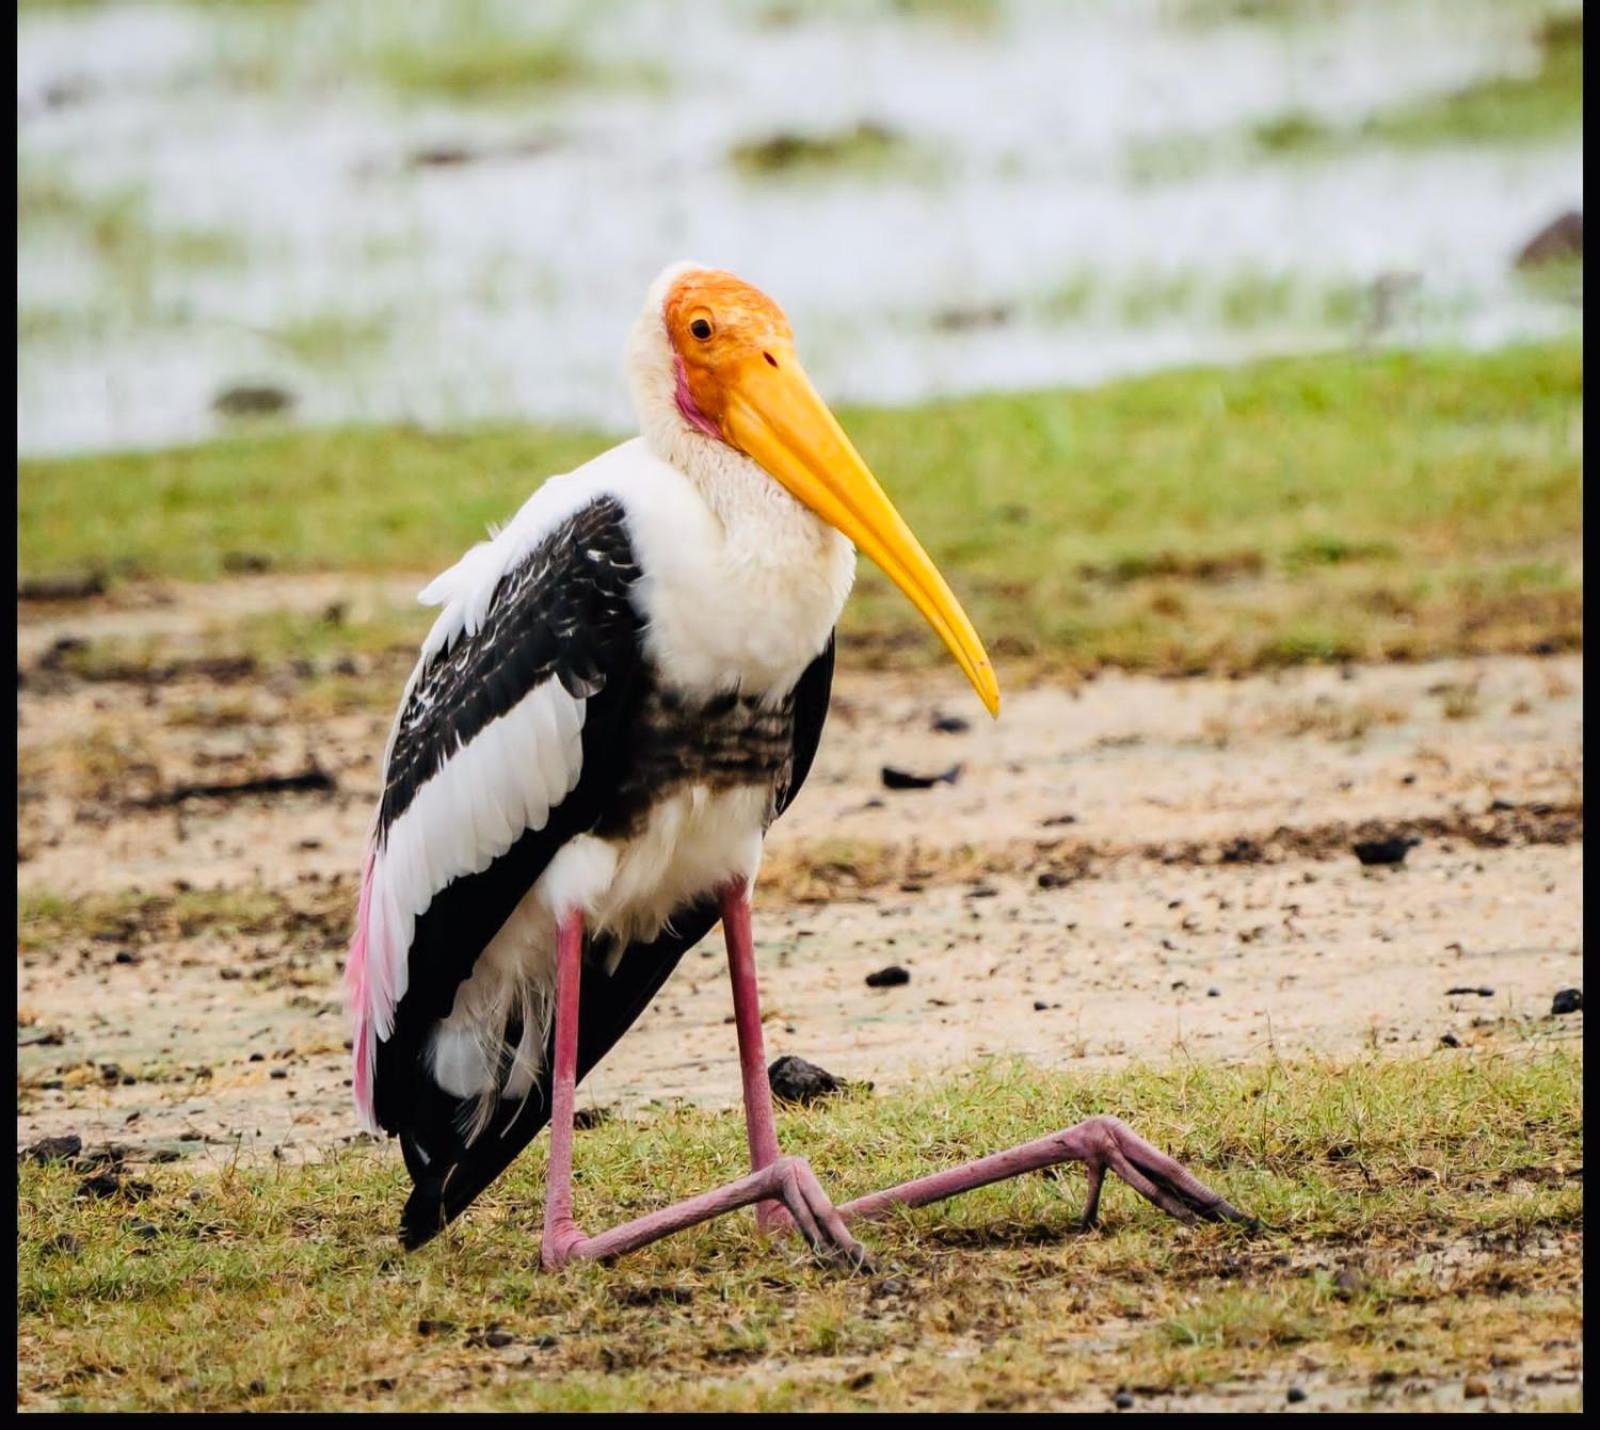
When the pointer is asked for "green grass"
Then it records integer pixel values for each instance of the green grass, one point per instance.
(280, 1287)
(866, 149)
(1308, 509)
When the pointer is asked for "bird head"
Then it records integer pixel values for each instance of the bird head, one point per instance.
(729, 374)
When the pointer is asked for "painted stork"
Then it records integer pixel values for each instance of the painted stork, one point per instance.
(623, 689)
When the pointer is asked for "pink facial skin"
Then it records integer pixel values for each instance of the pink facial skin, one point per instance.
(686, 405)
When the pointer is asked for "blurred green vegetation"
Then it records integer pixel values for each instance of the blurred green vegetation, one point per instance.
(1503, 110)
(1386, 505)
(1507, 109)
(866, 148)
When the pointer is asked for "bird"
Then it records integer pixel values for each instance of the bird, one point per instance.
(622, 690)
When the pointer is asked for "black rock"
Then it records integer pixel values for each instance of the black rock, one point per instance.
(894, 778)
(1449, 1040)
(1124, 1401)
(1392, 850)
(99, 1187)
(1465, 991)
(1568, 1000)
(52, 1149)
(949, 725)
(793, 1079)
(1296, 1395)
(1561, 238)
(891, 977)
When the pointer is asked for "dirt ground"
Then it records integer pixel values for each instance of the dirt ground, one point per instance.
(1126, 868)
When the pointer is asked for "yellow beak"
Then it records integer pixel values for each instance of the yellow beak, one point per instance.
(773, 414)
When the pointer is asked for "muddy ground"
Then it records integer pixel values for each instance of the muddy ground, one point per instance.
(1124, 868)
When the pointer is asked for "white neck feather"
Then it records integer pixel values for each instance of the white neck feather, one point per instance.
(788, 568)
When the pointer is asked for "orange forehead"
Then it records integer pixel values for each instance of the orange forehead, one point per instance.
(735, 310)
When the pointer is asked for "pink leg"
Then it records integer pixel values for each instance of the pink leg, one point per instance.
(1101, 1144)
(786, 1179)
(759, 1126)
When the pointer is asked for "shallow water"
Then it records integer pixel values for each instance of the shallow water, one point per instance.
(214, 195)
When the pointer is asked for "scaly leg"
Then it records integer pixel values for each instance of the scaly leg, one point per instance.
(759, 1126)
(1101, 1143)
(788, 1180)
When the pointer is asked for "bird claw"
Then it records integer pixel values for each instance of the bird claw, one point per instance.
(810, 1210)
(1111, 1145)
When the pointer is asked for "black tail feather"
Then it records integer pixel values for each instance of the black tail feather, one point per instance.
(448, 1174)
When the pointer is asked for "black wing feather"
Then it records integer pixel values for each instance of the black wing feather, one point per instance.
(563, 613)
(608, 1006)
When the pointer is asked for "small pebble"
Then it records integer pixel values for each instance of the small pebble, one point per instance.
(1449, 1040)
(891, 977)
(1296, 1395)
(1124, 1401)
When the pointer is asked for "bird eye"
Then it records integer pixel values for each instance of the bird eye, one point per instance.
(701, 328)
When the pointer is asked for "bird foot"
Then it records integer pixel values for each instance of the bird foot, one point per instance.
(1108, 1144)
(1102, 1144)
(789, 1181)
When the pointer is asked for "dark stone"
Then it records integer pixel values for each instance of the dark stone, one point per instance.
(893, 976)
(1392, 850)
(430, 1327)
(99, 1187)
(949, 725)
(1295, 1395)
(1052, 879)
(1449, 1040)
(1560, 239)
(52, 1149)
(63, 588)
(1463, 992)
(894, 778)
(793, 1079)
(1568, 1000)
(1124, 1401)
(126, 956)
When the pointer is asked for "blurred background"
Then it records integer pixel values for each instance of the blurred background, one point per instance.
(325, 211)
